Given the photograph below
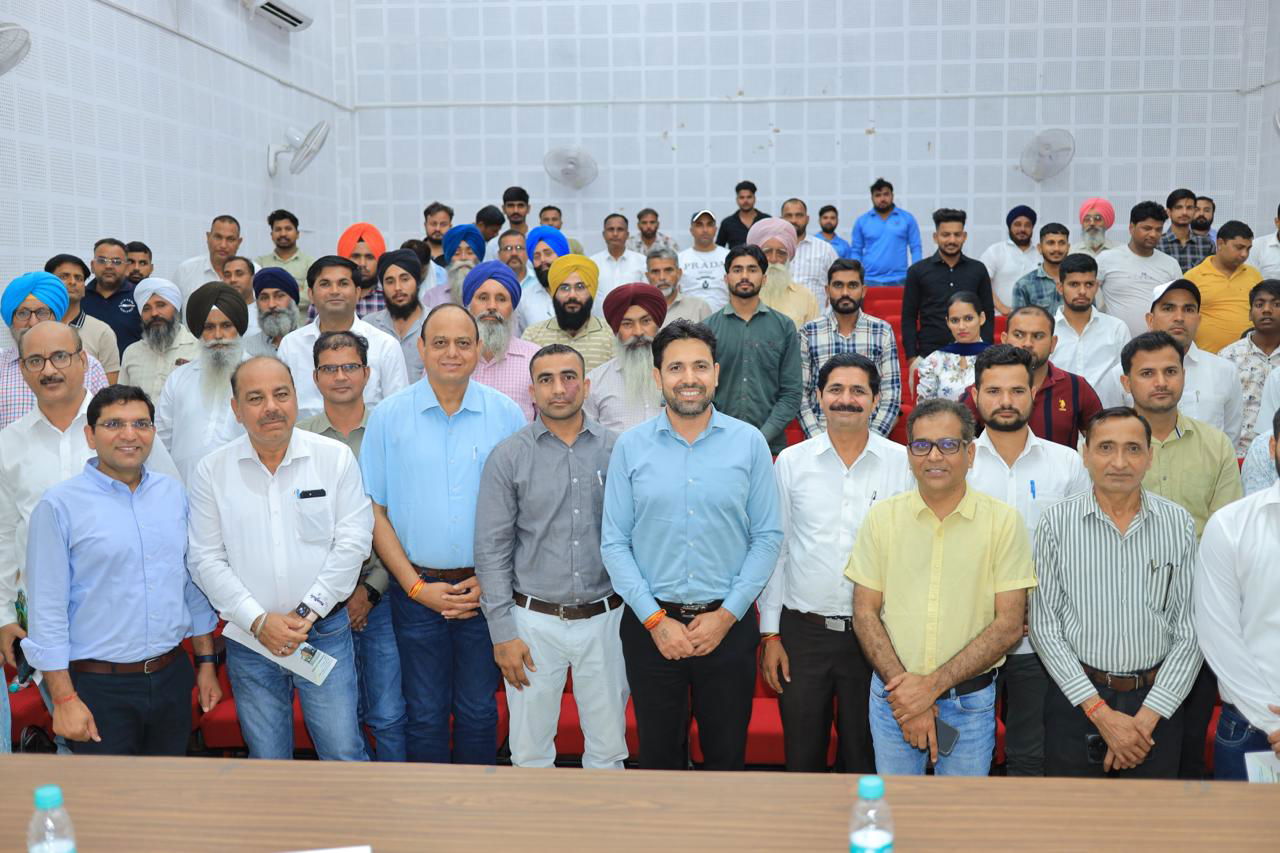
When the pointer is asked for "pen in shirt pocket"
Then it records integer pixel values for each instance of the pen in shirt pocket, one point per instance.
(1033, 490)
(599, 477)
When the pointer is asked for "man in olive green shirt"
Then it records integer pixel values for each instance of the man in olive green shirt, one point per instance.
(758, 351)
(1193, 465)
(341, 372)
(287, 255)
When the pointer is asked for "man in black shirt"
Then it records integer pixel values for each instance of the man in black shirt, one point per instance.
(109, 294)
(932, 281)
(734, 227)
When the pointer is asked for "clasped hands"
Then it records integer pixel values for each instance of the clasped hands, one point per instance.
(676, 640)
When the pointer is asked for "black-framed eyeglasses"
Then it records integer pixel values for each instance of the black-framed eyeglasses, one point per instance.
(22, 315)
(59, 359)
(946, 446)
(117, 424)
(332, 369)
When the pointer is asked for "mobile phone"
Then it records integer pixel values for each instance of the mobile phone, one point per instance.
(947, 737)
(1095, 748)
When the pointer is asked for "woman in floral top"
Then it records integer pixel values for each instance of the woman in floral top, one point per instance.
(949, 371)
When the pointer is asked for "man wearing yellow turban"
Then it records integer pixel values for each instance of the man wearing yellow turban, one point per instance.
(572, 280)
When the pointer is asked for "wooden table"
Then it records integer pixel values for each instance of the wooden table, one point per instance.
(197, 804)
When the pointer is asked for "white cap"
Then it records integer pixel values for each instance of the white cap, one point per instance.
(694, 218)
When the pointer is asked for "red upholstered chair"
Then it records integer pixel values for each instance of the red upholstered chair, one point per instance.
(26, 708)
(1001, 323)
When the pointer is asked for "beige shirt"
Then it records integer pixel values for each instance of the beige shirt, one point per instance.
(793, 301)
(689, 308)
(99, 341)
(144, 367)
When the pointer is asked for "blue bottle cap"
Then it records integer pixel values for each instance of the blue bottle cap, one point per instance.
(871, 788)
(48, 797)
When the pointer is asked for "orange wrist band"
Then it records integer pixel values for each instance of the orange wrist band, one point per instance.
(416, 588)
(1093, 709)
(65, 699)
(655, 619)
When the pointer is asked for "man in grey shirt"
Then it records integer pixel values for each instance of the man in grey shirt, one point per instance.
(544, 590)
(342, 370)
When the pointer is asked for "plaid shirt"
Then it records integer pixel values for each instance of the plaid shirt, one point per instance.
(821, 339)
(660, 241)
(809, 267)
(1188, 254)
(16, 399)
(510, 374)
(1037, 288)
(368, 303)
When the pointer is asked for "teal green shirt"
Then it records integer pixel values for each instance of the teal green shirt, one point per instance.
(759, 370)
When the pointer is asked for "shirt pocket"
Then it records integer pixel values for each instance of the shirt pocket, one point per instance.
(314, 519)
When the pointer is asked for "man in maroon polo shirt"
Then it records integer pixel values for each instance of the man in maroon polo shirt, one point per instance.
(1064, 402)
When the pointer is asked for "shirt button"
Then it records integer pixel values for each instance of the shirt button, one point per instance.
(690, 512)
(575, 479)
(575, 543)
(575, 512)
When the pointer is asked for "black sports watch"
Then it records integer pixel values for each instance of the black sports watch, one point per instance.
(374, 595)
(303, 610)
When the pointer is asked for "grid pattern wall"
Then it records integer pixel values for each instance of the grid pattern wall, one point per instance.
(116, 126)
(679, 100)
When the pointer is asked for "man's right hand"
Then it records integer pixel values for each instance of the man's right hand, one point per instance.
(911, 374)
(672, 639)
(452, 600)
(74, 721)
(775, 666)
(281, 633)
(921, 732)
(1127, 745)
(513, 658)
(9, 635)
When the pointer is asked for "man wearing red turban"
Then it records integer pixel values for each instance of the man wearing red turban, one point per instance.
(623, 391)
(363, 244)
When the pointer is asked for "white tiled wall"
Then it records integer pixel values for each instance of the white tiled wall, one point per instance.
(115, 125)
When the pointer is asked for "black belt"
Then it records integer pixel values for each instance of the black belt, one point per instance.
(973, 685)
(688, 611)
(568, 611)
(842, 624)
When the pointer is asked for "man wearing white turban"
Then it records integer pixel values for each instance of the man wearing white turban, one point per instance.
(165, 343)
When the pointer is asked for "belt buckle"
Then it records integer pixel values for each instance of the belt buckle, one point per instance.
(836, 623)
(560, 613)
(690, 611)
(146, 665)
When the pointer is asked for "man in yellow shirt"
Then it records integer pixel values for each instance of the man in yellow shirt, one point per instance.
(941, 575)
(1224, 280)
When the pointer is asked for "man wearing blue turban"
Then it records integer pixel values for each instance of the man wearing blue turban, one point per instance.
(1012, 258)
(463, 249)
(491, 293)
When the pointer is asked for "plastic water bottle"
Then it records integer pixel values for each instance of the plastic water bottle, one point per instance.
(871, 827)
(50, 830)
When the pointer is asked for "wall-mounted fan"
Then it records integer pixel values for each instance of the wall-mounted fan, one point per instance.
(15, 43)
(302, 148)
(1047, 154)
(571, 166)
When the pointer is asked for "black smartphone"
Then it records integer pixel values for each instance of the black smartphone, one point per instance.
(947, 737)
(1095, 748)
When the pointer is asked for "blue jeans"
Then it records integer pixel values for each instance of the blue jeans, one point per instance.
(1233, 739)
(381, 699)
(973, 715)
(447, 668)
(264, 697)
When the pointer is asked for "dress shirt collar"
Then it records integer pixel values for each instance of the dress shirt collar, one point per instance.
(1194, 354)
(761, 308)
(823, 447)
(1093, 508)
(424, 397)
(984, 445)
(110, 484)
(39, 416)
(1254, 348)
(588, 425)
(663, 424)
(936, 257)
(1181, 427)
(966, 508)
(297, 449)
(322, 418)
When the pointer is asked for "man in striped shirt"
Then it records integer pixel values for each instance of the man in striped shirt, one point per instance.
(1111, 619)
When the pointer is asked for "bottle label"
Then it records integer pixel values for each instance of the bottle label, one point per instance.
(870, 841)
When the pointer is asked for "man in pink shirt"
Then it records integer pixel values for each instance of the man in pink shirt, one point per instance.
(491, 293)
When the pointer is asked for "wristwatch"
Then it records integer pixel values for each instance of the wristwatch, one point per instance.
(306, 612)
(374, 595)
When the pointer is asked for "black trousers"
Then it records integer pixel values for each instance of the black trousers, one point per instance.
(138, 714)
(1198, 709)
(829, 676)
(1066, 733)
(1025, 683)
(720, 685)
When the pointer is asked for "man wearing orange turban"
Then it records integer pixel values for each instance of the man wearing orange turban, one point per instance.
(363, 244)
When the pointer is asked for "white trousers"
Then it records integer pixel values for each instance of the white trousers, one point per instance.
(593, 649)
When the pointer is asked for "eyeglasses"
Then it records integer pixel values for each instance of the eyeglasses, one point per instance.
(59, 359)
(332, 369)
(117, 424)
(109, 262)
(566, 289)
(22, 315)
(508, 249)
(946, 446)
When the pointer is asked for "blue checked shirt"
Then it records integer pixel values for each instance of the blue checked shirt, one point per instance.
(1188, 254)
(1037, 288)
(820, 339)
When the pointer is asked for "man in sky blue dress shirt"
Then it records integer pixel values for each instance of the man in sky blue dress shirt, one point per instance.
(883, 236)
(111, 541)
(691, 533)
(423, 452)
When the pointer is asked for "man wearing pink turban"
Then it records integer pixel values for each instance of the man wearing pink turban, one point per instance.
(1096, 216)
(777, 239)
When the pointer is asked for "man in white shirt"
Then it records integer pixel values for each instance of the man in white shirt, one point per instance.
(1237, 597)
(166, 344)
(1089, 341)
(193, 415)
(826, 486)
(1212, 391)
(238, 272)
(1265, 254)
(702, 264)
(332, 284)
(279, 528)
(618, 264)
(1011, 259)
(813, 257)
(1127, 274)
(43, 447)
(223, 240)
(1013, 465)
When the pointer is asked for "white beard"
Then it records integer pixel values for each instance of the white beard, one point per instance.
(635, 363)
(495, 336)
(278, 323)
(457, 275)
(1095, 237)
(217, 363)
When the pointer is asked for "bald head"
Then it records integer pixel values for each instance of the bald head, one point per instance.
(53, 363)
(262, 366)
(264, 401)
(49, 333)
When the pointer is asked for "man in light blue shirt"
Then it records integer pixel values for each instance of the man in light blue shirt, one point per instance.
(423, 453)
(109, 596)
(690, 535)
(883, 236)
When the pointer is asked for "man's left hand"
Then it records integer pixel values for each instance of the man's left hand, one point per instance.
(210, 689)
(1274, 737)
(358, 608)
(708, 629)
(910, 695)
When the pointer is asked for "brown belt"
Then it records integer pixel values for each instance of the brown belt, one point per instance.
(688, 611)
(446, 575)
(147, 667)
(843, 624)
(1122, 682)
(569, 611)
